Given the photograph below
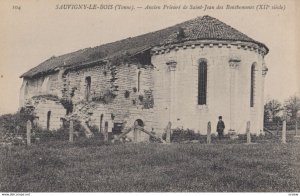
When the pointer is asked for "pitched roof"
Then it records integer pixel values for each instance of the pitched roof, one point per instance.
(200, 28)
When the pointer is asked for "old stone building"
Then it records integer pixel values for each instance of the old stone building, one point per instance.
(187, 74)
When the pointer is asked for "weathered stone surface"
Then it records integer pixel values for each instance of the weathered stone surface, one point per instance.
(98, 86)
(172, 92)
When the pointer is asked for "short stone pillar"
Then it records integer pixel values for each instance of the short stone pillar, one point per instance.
(208, 139)
(135, 132)
(296, 127)
(105, 133)
(71, 132)
(283, 139)
(248, 133)
(168, 132)
(28, 132)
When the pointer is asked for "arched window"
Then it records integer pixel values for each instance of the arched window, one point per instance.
(202, 82)
(252, 87)
(87, 88)
(139, 81)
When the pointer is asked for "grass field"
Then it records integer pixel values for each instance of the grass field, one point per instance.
(59, 166)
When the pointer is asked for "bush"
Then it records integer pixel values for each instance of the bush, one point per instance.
(77, 127)
(62, 133)
(97, 140)
(153, 139)
(95, 130)
(180, 135)
(44, 135)
(13, 126)
(256, 138)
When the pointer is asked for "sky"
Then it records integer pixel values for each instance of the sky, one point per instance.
(38, 31)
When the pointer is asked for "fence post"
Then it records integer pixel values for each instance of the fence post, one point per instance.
(135, 132)
(208, 133)
(28, 132)
(71, 133)
(248, 133)
(134, 135)
(168, 134)
(277, 128)
(296, 127)
(283, 132)
(105, 134)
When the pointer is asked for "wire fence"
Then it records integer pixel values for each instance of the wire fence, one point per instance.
(272, 130)
(275, 128)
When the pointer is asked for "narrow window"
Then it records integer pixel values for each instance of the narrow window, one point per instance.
(139, 81)
(87, 88)
(202, 82)
(101, 122)
(252, 85)
(48, 119)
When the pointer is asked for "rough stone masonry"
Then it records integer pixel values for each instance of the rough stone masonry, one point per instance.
(187, 74)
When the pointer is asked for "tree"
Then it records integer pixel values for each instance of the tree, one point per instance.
(292, 107)
(271, 110)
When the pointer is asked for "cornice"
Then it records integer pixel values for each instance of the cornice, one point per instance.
(158, 50)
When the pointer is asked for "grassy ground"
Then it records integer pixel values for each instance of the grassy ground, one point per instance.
(59, 166)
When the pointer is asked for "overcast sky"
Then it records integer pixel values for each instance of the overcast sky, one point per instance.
(39, 31)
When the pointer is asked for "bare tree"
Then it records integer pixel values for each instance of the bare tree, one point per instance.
(271, 110)
(292, 107)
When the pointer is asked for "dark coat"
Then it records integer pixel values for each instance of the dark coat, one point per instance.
(220, 126)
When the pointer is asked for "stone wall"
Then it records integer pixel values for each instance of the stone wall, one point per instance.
(125, 107)
(228, 87)
(43, 85)
(168, 90)
(49, 111)
(122, 80)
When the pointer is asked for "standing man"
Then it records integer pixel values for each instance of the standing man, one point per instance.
(220, 127)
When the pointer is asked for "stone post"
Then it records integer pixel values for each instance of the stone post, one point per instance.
(105, 133)
(168, 132)
(296, 127)
(208, 133)
(134, 135)
(297, 135)
(296, 123)
(248, 133)
(283, 140)
(28, 132)
(277, 128)
(71, 132)
(135, 132)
